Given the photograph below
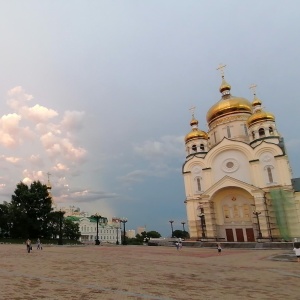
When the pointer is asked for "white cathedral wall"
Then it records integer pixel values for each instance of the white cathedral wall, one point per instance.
(233, 163)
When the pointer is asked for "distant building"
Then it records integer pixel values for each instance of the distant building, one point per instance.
(130, 233)
(237, 176)
(140, 230)
(107, 232)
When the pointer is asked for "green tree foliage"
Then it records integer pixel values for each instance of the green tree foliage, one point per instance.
(145, 236)
(181, 234)
(153, 234)
(30, 210)
(5, 222)
(71, 230)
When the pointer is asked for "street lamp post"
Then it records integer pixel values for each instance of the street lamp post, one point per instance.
(117, 235)
(183, 226)
(97, 217)
(202, 220)
(61, 213)
(257, 213)
(171, 222)
(124, 221)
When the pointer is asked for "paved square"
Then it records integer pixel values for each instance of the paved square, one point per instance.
(142, 272)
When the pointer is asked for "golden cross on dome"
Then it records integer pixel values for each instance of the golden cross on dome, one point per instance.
(192, 110)
(221, 69)
(252, 87)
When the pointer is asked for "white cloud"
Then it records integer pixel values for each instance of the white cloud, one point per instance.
(12, 159)
(17, 98)
(10, 130)
(38, 113)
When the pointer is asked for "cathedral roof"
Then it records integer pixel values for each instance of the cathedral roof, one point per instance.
(228, 104)
(259, 115)
(195, 132)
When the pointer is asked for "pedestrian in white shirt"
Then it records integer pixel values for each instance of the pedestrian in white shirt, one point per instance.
(297, 252)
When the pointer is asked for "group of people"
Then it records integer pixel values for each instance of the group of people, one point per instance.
(29, 246)
(178, 244)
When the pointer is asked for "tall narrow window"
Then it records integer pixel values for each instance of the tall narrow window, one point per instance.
(228, 132)
(253, 134)
(194, 148)
(270, 175)
(198, 184)
(245, 129)
(215, 137)
(261, 132)
(271, 131)
(202, 147)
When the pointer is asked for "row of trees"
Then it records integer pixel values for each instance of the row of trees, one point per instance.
(30, 215)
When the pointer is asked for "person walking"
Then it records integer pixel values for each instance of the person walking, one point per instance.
(219, 249)
(38, 243)
(28, 245)
(297, 252)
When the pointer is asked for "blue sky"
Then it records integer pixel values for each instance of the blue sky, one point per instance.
(98, 94)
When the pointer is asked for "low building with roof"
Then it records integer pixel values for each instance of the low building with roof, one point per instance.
(107, 232)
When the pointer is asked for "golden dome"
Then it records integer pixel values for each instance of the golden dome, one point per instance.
(194, 122)
(228, 105)
(224, 85)
(196, 134)
(260, 116)
(256, 101)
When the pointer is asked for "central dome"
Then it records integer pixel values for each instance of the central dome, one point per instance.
(228, 104)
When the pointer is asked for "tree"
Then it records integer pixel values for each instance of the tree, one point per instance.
(181, 234)
(71, 230)
(153, 234)
(5, 220)
(31, 208)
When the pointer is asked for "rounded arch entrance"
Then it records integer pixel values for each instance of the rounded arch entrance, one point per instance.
(233, 214)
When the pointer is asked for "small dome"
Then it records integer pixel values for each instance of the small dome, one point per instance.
(260, 116)
(256, 102)
(196, 134)
(227, 106)
(224, 85)
(194, 122)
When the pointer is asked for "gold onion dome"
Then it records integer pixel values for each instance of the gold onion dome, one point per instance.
(256, 102)
(194, 122)
(260, 116)
(224, 85)
(228, 104)
(196, 134)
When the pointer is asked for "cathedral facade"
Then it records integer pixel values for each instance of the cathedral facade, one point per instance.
(237, 176)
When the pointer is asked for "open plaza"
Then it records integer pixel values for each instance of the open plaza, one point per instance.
(144, 272)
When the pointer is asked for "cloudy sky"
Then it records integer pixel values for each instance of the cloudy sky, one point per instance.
(98, 93)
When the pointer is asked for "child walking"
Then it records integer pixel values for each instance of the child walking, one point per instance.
(219, 249)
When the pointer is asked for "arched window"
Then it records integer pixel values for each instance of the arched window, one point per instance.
(269, 173)
(202, 147)
(261, 132)
(253, 134)
(271, 131)
(194, 148)
(198, 181)
(228, 132)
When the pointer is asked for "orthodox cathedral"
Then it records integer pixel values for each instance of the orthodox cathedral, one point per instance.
(237, 177)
